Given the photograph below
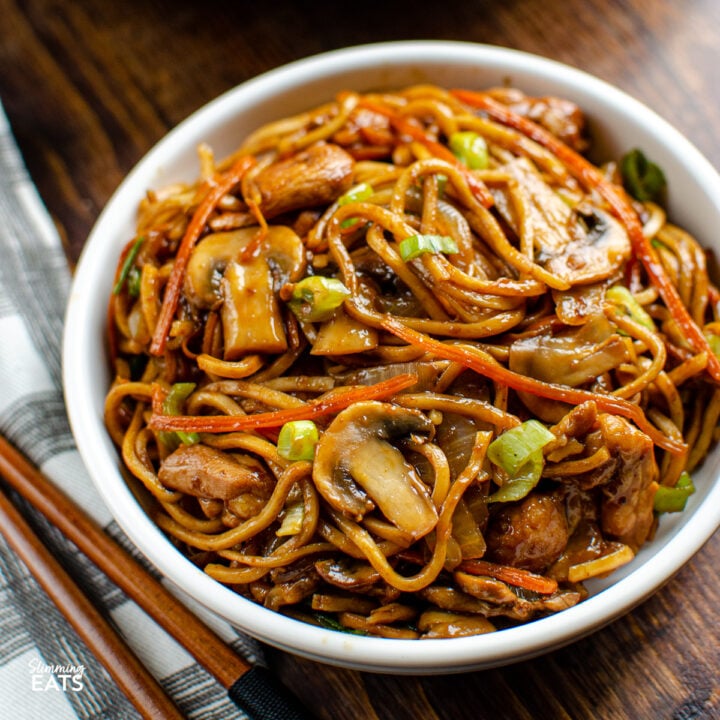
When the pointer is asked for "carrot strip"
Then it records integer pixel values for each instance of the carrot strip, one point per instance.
(437, 149)
(511, 575)
(484, 364)
(590, 176)
(221, 187)
(331, 403)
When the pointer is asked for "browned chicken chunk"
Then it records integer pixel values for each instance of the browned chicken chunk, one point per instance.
(317, 176)
(204, 472)
(530, 535)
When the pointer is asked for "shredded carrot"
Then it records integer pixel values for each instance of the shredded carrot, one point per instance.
(485, 365)
(331, 403)
(222, 185)
(592, 177)
(437, 149)
(511, 575)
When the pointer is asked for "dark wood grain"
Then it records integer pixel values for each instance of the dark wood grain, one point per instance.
(89, 86)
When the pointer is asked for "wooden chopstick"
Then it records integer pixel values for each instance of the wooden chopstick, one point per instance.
(251, 687)
(118, 659)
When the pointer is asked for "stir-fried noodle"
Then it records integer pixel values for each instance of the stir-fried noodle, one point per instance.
(409, 365)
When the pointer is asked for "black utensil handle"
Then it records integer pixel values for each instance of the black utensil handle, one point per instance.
(262, 697)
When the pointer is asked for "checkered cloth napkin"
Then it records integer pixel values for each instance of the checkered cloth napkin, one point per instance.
(45, 669)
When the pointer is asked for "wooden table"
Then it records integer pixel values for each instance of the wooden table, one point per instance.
(90, 86)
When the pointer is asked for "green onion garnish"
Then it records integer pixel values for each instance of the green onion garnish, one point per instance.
(470, 148)
(127, 264)
(643, 179)
(358, 193)
(297, 440)
(674, 499)
(316, 298)
(621, 296)
(518, 452)
(133, 281)
(174, 405)
(416, 245)
(522, 482)
(515, 447)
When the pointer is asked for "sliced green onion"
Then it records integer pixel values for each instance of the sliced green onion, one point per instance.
(174, 405)
(349, 222)
(416, 245)
(292, 521)
(522, 482)
(713, 342)
(316, 298)
(516, 446)
(358, 193)
(297, 440)
(621, 296)
(127, 264)
(133, 281)
(470, 148)
(643, 179)
(674, 499)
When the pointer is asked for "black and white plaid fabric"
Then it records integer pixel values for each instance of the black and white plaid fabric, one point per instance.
(45, 669)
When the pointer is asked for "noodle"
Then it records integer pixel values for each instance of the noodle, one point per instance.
(410, 356)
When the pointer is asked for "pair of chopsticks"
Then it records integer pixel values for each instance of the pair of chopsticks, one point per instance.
(252, 688)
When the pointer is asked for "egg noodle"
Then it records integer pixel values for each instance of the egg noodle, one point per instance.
(410, 365)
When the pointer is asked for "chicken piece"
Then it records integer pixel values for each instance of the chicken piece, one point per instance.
(205, 472)
(530, 535)
(627, 509)
(318, 176)
(562, 117)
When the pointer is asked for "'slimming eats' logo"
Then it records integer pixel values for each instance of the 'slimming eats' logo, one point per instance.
(58, 678)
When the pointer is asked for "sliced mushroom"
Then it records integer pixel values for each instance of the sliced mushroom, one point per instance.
(485, 588)
(572, 357)
(599, 248)
(357, 469)
(581, 245)
(205, 472)
(316, 177)
(443, 624)
(343, 335)
(282, 248)
(250, 312)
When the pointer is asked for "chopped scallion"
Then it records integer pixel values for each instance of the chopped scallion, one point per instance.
(621, 296)
(674, 499)
(416, 245)
(174, 405)
(292, 520)
(516, 446)
(470, 148)
(522, 482)
(358, 193)
(133, 281)
(316, 298)
(297, 440)
(643, 179)
(127, 264)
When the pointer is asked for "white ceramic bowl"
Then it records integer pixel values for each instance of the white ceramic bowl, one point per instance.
(618, 123)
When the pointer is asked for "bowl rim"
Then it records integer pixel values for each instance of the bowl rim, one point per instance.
(321, 644)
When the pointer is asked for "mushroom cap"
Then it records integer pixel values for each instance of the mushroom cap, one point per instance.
(357, 469)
